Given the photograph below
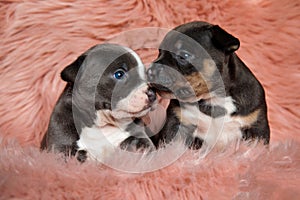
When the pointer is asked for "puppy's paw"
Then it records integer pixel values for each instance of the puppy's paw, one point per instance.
(194, 143)
(197, 143)
(81, 155)
(134, 144)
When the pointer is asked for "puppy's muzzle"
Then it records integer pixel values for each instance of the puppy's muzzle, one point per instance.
(169, 82)
(159, 77)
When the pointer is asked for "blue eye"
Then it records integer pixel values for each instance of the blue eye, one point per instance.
(119, 74)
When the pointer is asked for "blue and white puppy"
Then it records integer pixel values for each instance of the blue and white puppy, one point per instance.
(102, 104)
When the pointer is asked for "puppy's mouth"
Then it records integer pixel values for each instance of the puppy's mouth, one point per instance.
(146, 109)
(158, 87)
(182, 93)
(176, 87)
(151, 102)
(163, 91)
(190, 89)
(136, 114)
(137, 104)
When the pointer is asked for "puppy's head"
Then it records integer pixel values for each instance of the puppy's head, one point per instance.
(109, 79)
(191, 61)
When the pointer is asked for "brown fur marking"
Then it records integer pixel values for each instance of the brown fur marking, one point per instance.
(248, 120)
(209, 67)
(181, 118)
(199, 85)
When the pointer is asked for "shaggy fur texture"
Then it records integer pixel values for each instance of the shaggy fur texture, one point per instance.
(247, 173)
(39, 38)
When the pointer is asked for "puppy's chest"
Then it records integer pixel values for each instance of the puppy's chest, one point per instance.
(214, 121)
(100, 143)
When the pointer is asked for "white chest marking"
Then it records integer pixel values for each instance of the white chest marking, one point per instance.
(215, 131)
(100, 143)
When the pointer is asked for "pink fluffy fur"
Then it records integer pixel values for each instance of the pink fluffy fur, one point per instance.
(39, 38)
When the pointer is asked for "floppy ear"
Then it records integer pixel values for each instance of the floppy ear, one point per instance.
(70, 72)
(224, 40)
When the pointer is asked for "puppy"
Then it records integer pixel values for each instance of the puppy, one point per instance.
(215, 97)
(102, 104)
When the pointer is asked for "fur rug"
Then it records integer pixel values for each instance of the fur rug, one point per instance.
(244, 173)
(39, 38)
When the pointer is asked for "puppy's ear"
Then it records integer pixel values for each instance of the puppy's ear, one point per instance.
(70, 72)
(224, 40)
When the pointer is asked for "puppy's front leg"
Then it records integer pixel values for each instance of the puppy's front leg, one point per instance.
(176, 128)
(259, 130)
(135, 144)
(81, 155)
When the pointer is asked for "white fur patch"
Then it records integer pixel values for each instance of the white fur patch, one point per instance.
(216, 131)
(134, 105)
(103, 139)
(101, 143)
(226, 103)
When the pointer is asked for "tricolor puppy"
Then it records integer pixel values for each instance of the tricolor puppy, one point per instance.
(102, 104)
(215, 97)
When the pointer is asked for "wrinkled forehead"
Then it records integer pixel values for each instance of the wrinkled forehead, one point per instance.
(175, 41)
(125, 61)
(102, 57)
(105, 55)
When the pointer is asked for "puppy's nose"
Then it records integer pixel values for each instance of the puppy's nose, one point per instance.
(151, 95)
